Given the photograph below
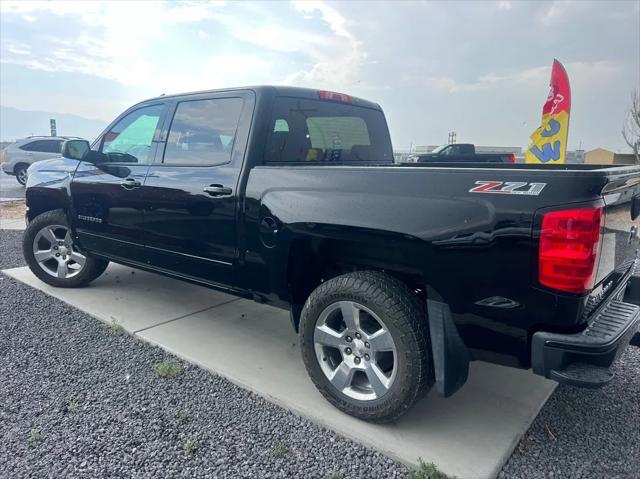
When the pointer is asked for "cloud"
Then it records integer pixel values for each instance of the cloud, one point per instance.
(481, 68)
(339, 63)
(107, 40)
(591, 71)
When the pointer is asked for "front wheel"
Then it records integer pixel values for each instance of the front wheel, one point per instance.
(52, 255)
(365, 344)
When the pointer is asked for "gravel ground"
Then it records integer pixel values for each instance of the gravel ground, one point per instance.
(76, 401)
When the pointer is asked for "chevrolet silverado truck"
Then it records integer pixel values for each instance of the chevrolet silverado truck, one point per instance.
(396, 277)
(460, 152)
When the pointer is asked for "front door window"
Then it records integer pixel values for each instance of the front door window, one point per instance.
(129, 140)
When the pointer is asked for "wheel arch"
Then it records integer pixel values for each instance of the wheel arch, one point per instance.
(41, 200)
(20, 164)
(314, 259)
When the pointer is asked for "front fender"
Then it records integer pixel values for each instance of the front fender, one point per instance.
(48, 186)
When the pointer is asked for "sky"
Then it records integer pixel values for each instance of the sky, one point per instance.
(478, 68)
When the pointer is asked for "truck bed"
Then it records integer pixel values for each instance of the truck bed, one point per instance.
(425, 221)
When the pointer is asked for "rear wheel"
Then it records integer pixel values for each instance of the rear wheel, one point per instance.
(365, 344)
(21, 173)
(53, 257)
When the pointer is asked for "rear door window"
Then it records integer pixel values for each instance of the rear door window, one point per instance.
(203, 132)
(316, 132)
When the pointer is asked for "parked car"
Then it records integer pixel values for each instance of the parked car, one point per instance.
(461, 152)
(395, 277)
(20, 155)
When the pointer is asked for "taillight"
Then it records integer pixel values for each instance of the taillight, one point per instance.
(332, 95)
(512, 158)
(569, 249)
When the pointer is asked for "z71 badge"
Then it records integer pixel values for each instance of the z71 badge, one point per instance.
(508, 187)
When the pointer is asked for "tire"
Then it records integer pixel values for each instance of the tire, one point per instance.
(62, 264)
(330, 348)
(21, 173)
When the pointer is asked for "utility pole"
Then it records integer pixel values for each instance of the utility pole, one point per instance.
(52, 125)
(452, 137)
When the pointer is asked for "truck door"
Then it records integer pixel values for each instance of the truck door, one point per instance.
(106, 191)
(191, 192)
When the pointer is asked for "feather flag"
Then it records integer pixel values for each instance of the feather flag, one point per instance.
(549, 141)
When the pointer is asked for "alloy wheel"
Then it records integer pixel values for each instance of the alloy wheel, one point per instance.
(355, 350)
(55, 252)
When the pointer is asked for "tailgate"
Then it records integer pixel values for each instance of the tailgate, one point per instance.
(620, 240)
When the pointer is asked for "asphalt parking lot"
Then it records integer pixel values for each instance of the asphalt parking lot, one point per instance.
(10, 189)
(79, 399)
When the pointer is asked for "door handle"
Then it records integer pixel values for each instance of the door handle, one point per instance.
(130, 183)
(217, 190)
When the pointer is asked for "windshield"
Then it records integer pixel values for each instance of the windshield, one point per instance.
(439, 149)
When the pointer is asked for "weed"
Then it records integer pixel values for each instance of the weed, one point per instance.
(35, 435)
(426, 471)
(72, 404)
(183, 414)
(167, 369)
(191, 445)
(280, 451)
(115, 328)
(334, 475)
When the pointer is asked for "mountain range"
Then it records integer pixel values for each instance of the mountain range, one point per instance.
(16, 124)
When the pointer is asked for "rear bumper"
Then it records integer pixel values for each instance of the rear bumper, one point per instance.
(7, 168)
(584, 359)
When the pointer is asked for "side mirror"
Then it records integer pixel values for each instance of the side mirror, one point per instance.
(75, 149)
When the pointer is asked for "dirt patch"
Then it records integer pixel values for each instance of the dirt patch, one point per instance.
(12, 210)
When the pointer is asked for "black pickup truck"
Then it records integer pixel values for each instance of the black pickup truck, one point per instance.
(461, 152)
(396, 277)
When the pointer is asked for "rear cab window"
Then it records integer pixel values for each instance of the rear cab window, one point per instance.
(319, 132)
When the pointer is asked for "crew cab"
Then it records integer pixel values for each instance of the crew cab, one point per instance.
(395, 276)
(461, 152)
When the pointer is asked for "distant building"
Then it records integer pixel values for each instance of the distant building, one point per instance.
(600, 156)
(576, 156)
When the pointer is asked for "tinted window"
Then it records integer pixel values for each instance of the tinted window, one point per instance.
(44, 146)
(315, 132)
(129, 140)
(202, 132)
(32, 146)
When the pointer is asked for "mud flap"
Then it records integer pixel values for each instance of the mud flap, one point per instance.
(295, 311)
(450, 355)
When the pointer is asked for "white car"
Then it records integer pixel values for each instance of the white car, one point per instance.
(20, 155)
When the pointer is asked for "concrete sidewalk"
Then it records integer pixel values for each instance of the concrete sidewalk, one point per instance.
(469, 435)
(12, 224)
